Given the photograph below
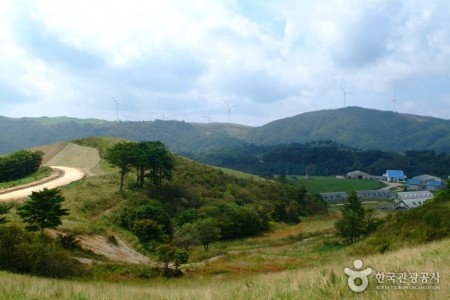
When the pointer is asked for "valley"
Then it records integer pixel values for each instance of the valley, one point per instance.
(289, 261)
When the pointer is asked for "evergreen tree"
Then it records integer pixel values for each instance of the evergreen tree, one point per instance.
(43, 210)
(352, 225)
(120, 155)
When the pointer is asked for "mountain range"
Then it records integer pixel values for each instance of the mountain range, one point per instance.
(353, 126)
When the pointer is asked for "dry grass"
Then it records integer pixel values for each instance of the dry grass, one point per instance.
(324, 282)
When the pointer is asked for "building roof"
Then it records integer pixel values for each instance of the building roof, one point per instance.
(374, 194)
(413, 181)
(397, 174)
(408, 200)
(334, 196)
(415, 195)
(426, 177)
(435, 183)
(358, 173)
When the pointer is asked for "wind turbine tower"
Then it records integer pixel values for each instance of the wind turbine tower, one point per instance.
(228, 111)
(345, 94)
(117, 109)
(394, 100)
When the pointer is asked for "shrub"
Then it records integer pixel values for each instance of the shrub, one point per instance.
(69, 241)
(25, 252)
(49, 260)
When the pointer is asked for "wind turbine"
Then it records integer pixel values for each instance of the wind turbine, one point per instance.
(229, 110)
(394, 100)
(345, 94)
(117, 109)
(208, 117)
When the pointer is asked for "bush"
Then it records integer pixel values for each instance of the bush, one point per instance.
(25, 252)
(15, 249)
(19, 164)
(69, 241)
(150, 211)
(49, 260)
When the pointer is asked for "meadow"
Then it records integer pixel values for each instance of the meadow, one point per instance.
(321, 184)
(318, 279)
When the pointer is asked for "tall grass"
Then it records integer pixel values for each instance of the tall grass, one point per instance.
(327, 281)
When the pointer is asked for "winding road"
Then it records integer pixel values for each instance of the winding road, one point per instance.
(60, 176)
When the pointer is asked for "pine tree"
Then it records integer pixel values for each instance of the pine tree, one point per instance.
(43, 210)
(352, 225)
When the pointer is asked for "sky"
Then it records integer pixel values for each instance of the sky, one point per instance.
(248, 62)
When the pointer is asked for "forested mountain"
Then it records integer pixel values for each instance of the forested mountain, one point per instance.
(179, 136)
(361, 128)
(324, 158)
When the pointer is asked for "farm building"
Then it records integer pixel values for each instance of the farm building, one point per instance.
(335, 197)
(425, 182)
(338, 197)
(375, 195)
(435, 185)
(358, 175)
(407, 200)
(395, 176)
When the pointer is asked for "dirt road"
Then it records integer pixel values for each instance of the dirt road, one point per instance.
(68, 175)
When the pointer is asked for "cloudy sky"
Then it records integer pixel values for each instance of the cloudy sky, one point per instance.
(187, 60)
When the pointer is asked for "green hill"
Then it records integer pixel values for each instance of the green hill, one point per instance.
(352, 126)
(360, 128)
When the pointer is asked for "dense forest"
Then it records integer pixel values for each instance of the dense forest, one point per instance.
(203, 199)
(324, 158)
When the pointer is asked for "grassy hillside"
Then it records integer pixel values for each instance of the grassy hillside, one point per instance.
(314, 280)
(178, 135)
(352, 126)
(426, 223)
(301, 261)
(360, 128)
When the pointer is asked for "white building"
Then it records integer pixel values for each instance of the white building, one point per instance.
(407, 200)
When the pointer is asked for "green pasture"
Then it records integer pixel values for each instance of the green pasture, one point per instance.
(324, 184)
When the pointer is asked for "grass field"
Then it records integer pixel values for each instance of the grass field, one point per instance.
(322, 184)
(239, 174)
(324, 281)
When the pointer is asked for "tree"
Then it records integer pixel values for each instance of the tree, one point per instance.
(208, 231)
(186, 235)
(167, 253)
(19, 164)
(148, 230)
(353, 224)
(148, 159)
(120, 155)
(154, 157)
(43, 210)
(180, 256)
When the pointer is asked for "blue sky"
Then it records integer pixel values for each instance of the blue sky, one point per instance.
(183, 60)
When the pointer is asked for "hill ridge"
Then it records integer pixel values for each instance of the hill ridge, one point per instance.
(362, 128)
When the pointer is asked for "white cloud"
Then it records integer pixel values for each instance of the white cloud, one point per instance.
(274, 59)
